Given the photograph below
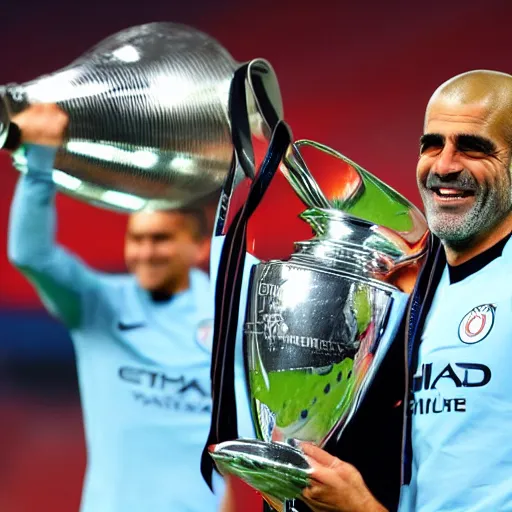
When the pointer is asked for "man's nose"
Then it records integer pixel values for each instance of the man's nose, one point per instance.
(448, 162)
(146, 249)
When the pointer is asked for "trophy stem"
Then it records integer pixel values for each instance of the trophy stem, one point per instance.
(289, 506)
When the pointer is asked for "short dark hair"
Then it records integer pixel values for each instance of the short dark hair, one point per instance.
(199, 221)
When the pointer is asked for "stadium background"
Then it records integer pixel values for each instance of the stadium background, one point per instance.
(353, 75)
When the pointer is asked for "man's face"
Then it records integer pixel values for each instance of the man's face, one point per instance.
(463, 172)
(160, 249)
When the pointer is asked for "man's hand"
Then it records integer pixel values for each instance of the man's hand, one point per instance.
(336, 486)
(44, 124)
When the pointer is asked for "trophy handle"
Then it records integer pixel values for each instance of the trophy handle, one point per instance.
(266, 96)
(255, 108)
(300, 178)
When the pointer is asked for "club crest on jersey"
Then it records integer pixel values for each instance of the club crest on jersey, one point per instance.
(477, 324)
(204, 336)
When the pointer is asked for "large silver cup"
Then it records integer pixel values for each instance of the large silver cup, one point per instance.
(319, 323)
(149, 117)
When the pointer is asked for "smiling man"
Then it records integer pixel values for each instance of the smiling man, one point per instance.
(458, 454)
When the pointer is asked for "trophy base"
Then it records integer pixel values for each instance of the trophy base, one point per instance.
(278, 471)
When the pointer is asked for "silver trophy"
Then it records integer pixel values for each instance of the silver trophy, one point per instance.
(149, 117)
(319, 323)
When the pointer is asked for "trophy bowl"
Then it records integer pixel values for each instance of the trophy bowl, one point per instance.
(149, 117)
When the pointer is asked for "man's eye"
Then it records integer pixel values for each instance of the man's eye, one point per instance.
(474, 153)
(430, 149)
(162, 238)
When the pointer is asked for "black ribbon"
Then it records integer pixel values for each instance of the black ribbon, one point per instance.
(227, 302)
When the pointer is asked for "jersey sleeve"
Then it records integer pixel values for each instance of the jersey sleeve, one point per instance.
(60, 278)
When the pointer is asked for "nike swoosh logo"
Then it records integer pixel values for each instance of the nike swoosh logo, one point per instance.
(128, 327)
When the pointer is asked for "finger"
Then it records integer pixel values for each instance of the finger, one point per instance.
(318, 455)
(324, 475)
(44, 124)
(313, 504)
(319, 498)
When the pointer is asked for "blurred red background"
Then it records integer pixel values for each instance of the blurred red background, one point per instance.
(355, 76)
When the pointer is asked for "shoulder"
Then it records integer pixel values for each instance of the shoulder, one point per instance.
(199, 281)
(116, 281)
(204, 303)
(115, 288)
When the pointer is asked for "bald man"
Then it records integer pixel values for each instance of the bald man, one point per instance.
(142, 339)
(458, 419)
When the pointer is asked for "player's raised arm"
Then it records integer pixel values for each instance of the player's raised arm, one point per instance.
(59, 277)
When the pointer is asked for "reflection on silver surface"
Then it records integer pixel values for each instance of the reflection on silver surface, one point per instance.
(272, 468)
(319, 323)
(314, 324)
(300, 178)
(148, 118)
(358, 193)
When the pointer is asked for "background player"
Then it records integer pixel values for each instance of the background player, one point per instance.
(142, 340)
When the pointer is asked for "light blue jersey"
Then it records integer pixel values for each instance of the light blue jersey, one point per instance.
(143, 366)
(462, 405)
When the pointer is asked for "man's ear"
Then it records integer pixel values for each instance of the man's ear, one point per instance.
(203, 254)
